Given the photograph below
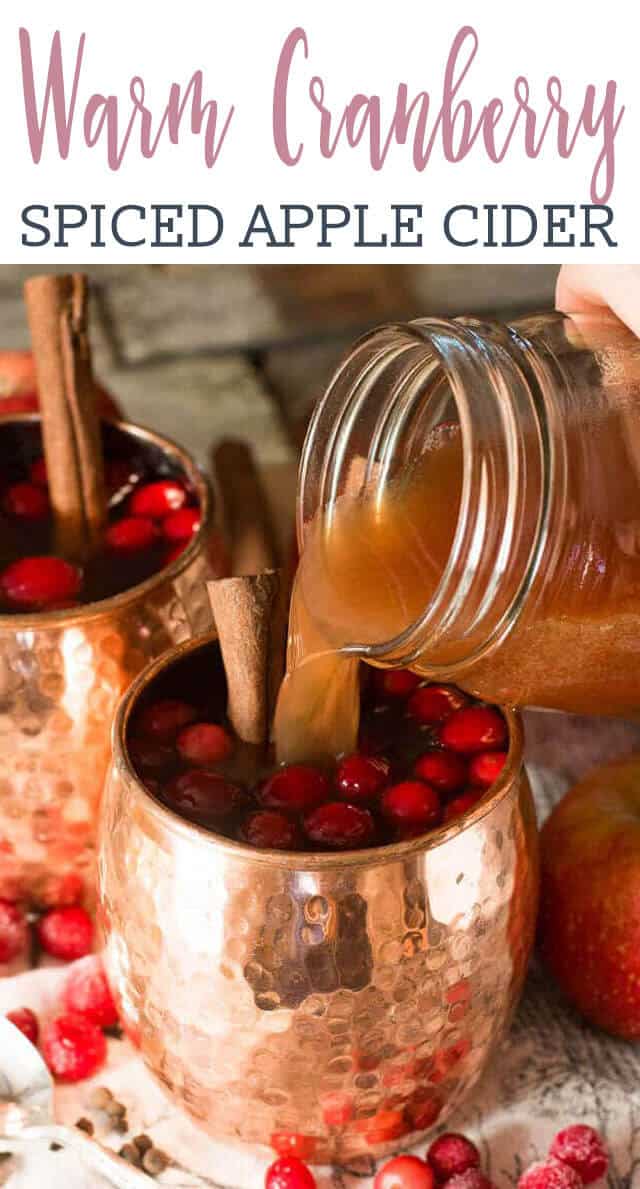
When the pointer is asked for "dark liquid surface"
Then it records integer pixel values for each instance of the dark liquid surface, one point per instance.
(129, 463)
(391, 733)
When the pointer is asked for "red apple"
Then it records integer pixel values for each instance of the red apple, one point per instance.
(18, 386)
(590, 907)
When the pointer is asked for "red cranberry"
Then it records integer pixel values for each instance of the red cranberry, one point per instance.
(360, 777)
(583, 1150)
(451, 1154)
(433, 704)
(270, 830)
(549, 1174)
(339, 826)
(474, 728)
(204, 743)
(87, 993)
(460, 805)
(162, 720)
(158, 499)
(34, 582)
(289, 1173)
(38, 473)
(411, 803)
(66, 933)
(404, 1172)
(203, 795)
(14, 931)
(444, 770)
(26, 1021)
(181, 525)
(27, 501)
(132, 534)
(395, 683)
(295, 787)
(471, 1179)
(485, 768)
(73, 1047)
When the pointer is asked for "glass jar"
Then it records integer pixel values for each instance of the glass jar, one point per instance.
(469, 506)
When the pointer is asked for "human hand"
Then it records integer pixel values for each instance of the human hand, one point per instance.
(593, 288)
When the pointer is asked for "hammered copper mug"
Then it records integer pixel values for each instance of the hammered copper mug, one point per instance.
(325, 1004)
(61, 675)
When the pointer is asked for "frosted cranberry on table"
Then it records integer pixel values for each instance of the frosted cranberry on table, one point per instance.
(451, 1154)
(549, 1174)
(73, 1047)
(582, 1148)
(87, 993)
(66, 933)
(289, 1173)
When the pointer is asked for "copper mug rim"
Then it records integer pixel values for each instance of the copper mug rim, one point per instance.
(301, 860)
(105, 607)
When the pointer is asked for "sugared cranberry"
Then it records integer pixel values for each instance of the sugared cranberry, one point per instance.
(181, 525)
(270, 830)
(395, 683)
(27, 502)
(157, 500)
(339, 826)
(87, 993)
(162, 720)
(38, 473)
(360, 777)
(549, 1174)
(289, 1173)
(73, 1047)
(294, 788)
(27, 1021)
(433, 704)
(411, 803)
(201, 795)
(485, 768)
(14, 931)
(66, 933)
(474, 728)
(444, 770)
(204, 743)
(39, 582)
(582, 1148)
(132, 534)
(451, 1154)
(460, 805)
(404, 1172)
(471, 1179)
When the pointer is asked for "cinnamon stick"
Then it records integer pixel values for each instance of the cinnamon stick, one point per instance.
(57, 313)
(250, 613)
(249, 529)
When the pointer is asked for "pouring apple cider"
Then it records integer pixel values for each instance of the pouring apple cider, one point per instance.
(469, 507)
